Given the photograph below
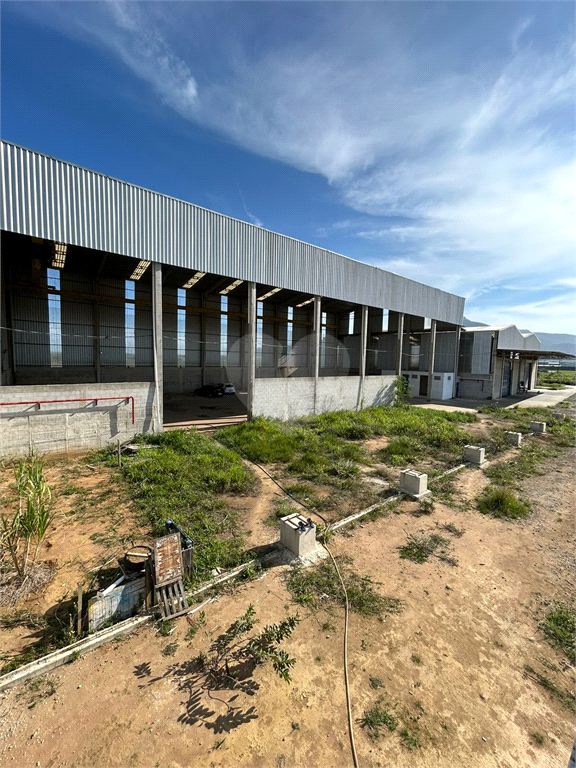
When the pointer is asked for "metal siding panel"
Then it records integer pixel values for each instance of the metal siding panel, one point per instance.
(48, 198)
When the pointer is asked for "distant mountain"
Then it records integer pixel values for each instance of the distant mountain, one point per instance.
(558, 342)
(552, 342)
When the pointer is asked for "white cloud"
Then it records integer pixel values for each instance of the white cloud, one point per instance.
(553, 315)
(479, 157)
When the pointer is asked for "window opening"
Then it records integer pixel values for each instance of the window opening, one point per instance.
(259, 332)
(54, 319)
(385, 318)
(181, 328)
(351, 323)
(129, 322)
(223, 331)
(289, 330)
(323, 341)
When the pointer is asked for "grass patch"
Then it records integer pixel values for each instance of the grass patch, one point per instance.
(377, 718)
(326, 446)
(376, 682)
(282, 507)
(170, 649)
(556, 379)
(401, 451)
(182, 479)
(559, 628)
(500, 502)
(565, 698)
(561, 430)
(416, 659)
(408, 739)
(319, 585)
(420, 547)
(527, 463)
(453, 529)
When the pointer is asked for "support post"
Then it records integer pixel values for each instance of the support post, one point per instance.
(431, 356)
(362, 355)
(399, 343)
(158, 357)
(316, 338)
(251, 348)
(456, 360)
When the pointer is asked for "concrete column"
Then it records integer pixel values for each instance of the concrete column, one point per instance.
(456, 359)
(251, 344)
(431, 356)
(399, 343)
(316, 339)
(157, 346)
(362, 351)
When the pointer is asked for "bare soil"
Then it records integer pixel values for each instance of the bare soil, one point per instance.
(467, 699)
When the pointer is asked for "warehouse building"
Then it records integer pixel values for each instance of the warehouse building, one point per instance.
(498, 361)
(117, 301)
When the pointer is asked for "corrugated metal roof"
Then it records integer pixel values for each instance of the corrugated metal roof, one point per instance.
(55, 200)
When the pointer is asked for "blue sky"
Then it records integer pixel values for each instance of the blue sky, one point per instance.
(432, 139)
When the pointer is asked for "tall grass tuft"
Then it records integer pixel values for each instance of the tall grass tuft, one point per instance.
(500, 502)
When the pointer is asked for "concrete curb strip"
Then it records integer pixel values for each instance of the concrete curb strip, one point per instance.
(64, 655)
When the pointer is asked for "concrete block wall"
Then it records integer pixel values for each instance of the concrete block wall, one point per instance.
(292, 398)
(59, 427)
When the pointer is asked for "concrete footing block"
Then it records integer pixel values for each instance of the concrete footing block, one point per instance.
(538, 427)
(475, 455)
(297, 535)
(514, 438)
(559, 416)
(414, 483)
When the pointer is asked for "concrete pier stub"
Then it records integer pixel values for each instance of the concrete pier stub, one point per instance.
(475, 455)
(538, 426)
(300, 541)
(514, 438)
(414, 483)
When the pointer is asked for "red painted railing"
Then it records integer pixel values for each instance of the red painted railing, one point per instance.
(75, 400)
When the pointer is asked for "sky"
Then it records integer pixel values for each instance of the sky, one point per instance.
(432, 139)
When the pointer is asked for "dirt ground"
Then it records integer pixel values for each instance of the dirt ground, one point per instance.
(452, 662)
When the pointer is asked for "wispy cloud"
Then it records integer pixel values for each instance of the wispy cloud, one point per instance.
(474, 151)
(253, 219)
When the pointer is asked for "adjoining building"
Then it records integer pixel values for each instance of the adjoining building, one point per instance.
(114, 297)
(498, 361)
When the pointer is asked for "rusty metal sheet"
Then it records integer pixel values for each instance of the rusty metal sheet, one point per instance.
(168, 559)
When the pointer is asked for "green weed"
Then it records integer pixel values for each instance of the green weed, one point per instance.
(565, 698)
(502, 503)
(376, 718)
(319, 585)
(409, 740)
(419, 547)
(559, 628)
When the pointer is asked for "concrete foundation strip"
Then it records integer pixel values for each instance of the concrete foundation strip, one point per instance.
(65, 655)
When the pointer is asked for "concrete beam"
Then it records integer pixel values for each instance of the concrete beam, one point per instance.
(158, 357)
(251, 344)
(431, 356)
